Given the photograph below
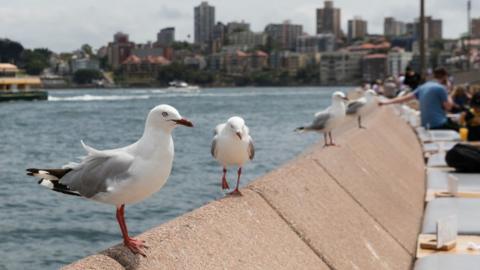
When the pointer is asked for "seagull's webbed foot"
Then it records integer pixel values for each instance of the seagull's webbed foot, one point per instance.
(136, 246)
(225, 184)
(236, 192)
(362, 127)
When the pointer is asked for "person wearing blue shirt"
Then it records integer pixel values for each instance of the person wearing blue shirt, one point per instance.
(434, 101)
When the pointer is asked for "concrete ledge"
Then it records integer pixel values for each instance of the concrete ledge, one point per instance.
(357, 206)
(232, 233)
(382, 169)
(96, 262)
(329, 220)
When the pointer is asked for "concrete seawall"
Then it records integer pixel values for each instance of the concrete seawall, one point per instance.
(357, 206)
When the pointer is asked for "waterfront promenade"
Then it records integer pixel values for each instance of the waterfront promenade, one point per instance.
(357, 206)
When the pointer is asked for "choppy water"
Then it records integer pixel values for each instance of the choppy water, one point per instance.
(40, 229)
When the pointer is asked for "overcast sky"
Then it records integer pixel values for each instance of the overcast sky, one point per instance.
(64, 25)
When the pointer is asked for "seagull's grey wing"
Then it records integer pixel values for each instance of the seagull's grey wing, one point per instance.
(95, 172)
(216, 131)
(251, 150)
(320, 121)
(352, 107)
(213, 148)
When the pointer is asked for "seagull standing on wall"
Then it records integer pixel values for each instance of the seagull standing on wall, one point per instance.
(124, 175)
(232, 145)
(330, 118)
(362, 106)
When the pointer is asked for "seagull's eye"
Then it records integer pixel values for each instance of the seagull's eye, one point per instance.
(231, 126)
(165, 114)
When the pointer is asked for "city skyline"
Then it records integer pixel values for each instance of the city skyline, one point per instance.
(95, 23)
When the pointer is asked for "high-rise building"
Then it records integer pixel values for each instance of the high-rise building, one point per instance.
(234, 27)
(119, 50)
(166, 36)
(410, 29)
(204, 22)
(315, 44)
(328, 20)
(219, 31)
(284, 35)
(394, 28)
(432, 28)
(397, 61)
(247, 39)
(357, 28)
(475, 24)
(340, 67)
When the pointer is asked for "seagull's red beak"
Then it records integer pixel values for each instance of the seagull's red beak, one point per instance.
(183, 122)
(239, 135)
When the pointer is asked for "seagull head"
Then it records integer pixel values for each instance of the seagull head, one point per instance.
(236, 125)
(339, 96)
(166, 117)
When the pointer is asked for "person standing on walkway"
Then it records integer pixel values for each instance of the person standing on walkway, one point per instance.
(434, 101)
(412, 79)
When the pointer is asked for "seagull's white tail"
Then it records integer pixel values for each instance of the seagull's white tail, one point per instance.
(50, 178)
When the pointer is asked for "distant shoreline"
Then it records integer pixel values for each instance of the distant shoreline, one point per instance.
(88, 87)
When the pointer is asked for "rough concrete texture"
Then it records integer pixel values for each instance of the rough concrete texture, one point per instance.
(385, 174)
(333, 223)
(95, 262)
(233, 233)
(357, 206)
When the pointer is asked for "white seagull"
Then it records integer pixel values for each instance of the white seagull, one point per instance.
(330, 118)
(124, 175)
(362, 106)
(232, 145)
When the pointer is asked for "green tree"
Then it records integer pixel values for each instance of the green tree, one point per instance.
(263, 78)
(35, 61)
(182, 45)
(87, 49)
(10, 51)
(310, 74)
(86, 76)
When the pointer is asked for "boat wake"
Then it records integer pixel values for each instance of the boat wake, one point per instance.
(95, 97)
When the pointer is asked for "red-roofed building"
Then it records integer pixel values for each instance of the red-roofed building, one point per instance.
(144, 70)
(380, 47)
(257, 60)
(238, 62)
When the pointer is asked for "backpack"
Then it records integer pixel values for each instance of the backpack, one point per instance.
(464, 158)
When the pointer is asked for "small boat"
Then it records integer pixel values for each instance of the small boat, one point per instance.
(181, 85)
(13, 87)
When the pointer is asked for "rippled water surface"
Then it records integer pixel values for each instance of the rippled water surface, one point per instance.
(41, 229)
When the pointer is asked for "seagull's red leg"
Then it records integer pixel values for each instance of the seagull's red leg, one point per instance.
(236, 191)
(325, 139)
(136, 246)
(360, 122)
(331, 139)
(224, 179)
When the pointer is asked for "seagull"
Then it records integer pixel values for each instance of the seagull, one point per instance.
(327, 120)
(232, 145)
(362, 106)
(124, 175)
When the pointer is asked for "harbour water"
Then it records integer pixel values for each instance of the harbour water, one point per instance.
(41, 229)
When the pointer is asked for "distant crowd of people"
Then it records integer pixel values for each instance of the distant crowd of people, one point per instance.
(437, 98)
